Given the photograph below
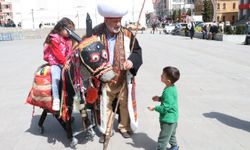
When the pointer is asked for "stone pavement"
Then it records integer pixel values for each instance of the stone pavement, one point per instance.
(213, 96)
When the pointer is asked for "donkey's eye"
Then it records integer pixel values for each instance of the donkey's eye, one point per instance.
(94, 57)
(98, 46)
(104, 54)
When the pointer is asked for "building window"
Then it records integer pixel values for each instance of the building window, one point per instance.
(233, 19)
(7, 6)
(218, 18)
(223, 18)
(224, 5)
(234, 5)
(218, 6)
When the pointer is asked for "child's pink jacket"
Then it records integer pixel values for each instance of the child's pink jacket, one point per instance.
(57, 51)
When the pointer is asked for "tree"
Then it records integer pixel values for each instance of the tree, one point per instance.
(179, 15)
(207, 11)
(189, 13)
(174, 16)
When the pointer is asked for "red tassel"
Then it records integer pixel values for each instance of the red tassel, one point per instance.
(92, 95)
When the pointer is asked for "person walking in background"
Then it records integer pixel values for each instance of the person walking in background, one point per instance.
(168, 109)
(40, 25)
(154, 25)
(247, 39)
(191, 27)
(124, 54)
(57, 47)
(204, 32)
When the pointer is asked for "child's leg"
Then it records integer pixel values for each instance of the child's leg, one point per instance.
(172, 140)
(56, 77)
(165, 134)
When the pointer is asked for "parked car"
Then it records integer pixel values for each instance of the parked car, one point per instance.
(133, 25)
(179, 27)
(168, 28)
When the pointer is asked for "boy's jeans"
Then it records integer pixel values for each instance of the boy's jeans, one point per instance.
(56, 77)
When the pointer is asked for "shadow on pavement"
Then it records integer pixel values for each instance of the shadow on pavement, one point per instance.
(142, 140)
(54, 131)
(229, 120)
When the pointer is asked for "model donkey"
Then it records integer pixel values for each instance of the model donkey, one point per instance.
(88, 62)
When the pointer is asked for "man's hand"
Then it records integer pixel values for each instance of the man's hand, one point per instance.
(127, 65)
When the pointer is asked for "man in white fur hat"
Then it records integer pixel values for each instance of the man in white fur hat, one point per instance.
(126, 59)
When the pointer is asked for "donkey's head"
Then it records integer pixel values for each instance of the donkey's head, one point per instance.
(93, 53)
(94, 56)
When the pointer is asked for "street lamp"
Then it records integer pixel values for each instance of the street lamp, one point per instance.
(33, 20)
(77, 15)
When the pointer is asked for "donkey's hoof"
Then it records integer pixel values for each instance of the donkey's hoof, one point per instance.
(73, 142)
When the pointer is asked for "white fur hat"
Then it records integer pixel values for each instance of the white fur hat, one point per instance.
(112, 8)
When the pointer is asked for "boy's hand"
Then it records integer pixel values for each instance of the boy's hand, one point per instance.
(155, 98)
(151, 108)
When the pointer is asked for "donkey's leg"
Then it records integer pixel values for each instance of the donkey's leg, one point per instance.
(73, 140)
(85, 120)
(62, 123)
(41, 120)
(70, 92)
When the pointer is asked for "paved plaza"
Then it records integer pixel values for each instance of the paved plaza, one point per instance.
(213, 96)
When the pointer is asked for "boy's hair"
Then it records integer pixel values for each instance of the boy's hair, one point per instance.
(172, 73)
(64, 22)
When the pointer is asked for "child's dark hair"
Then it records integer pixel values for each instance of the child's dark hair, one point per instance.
(172, 73)
(64, 22)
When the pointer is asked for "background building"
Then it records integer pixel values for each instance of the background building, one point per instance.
(227, 11)
(6, 13)
(165, 8)
(33, 12)
(244, 12)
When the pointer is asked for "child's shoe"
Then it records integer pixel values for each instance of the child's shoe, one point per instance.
(56, 104)
(174, 148)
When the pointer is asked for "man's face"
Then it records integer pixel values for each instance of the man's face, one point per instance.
(113, 24)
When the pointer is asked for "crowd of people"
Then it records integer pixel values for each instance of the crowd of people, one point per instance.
(8, 23)
(209, 31)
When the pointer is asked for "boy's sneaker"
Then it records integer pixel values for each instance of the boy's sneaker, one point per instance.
(56, 104)
(173, 148)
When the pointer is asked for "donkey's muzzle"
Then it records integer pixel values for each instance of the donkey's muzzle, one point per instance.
(105, 73)
(107, 76)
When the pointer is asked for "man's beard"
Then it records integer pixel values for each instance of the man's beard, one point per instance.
(114, 30)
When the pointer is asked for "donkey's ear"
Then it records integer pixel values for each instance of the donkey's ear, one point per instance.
(73, 35)
(89, 31)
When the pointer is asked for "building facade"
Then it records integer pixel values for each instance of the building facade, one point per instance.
(227, 11)
(6, 12)
(244, 9)
(165, 8)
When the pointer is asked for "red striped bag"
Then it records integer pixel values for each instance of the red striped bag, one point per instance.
(40, 95)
